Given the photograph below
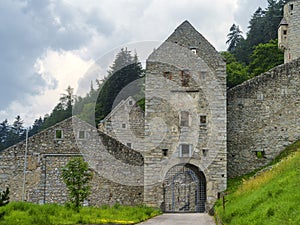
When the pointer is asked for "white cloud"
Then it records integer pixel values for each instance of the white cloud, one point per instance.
(59, 69)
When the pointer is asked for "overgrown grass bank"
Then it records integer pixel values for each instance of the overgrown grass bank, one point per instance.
(271, 198)
(31, 214)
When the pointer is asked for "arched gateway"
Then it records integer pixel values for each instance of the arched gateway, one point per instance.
(184, 189)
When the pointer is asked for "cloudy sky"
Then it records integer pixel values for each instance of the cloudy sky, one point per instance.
(47, 45)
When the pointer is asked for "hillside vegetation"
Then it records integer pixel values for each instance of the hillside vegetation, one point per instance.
(269, 198)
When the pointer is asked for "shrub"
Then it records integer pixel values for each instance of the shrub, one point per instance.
(76, 175)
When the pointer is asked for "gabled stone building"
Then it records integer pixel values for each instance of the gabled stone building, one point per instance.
(38, 179)
(185, 123)
(125, 123)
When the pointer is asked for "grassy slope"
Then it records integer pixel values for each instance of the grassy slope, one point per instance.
(31, 214)
(272, 197)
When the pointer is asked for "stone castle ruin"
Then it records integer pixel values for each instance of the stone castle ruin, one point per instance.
(192, 136)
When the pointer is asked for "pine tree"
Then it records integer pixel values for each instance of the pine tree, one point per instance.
(234, 37)
(62, 110)
(4, 128)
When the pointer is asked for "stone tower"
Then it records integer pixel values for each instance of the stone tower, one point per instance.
(289, 31)
(185, 124)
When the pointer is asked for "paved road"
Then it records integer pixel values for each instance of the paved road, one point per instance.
(181, 219)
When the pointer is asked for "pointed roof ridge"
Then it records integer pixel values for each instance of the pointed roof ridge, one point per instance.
(185, 23)
(187, 36)
(118, 106)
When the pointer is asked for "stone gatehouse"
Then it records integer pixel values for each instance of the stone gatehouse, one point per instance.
(179, 152)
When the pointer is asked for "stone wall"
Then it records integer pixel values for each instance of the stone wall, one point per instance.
(263, 118)
(111, 161)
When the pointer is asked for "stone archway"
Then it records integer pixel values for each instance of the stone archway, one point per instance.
(184, 189)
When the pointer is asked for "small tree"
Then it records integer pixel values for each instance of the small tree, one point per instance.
(4, 197)
(76, 176)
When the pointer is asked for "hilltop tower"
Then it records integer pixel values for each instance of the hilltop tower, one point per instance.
(289, 31)
(185, 124)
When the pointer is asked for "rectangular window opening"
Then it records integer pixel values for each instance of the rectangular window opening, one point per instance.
(203, 120)
(123, 125)
(168, 75)
(184, 119)
(81, 134)
(185, 150)
(58, 134)
(185, 78)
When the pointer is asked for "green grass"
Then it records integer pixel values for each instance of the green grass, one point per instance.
(271, 198)
(22, 213)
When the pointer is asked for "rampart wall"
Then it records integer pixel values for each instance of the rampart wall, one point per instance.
(263, 118)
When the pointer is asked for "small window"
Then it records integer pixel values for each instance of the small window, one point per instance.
(185, 150)
(58, 134)
(194, 51)
(291, 7)
(260, 96)
(203, 120)
(205, 152)
(130, 102)
(284, 91)
(129, 145)
(185, 78)
(168, 75)
(184, 119)
(202, 75)
(81, 134)
(285, 32)
(123, 125)
(260, 154)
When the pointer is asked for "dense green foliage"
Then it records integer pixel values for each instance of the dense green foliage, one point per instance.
(262, 28)
(265, 57)
(258, 52)
(77, 176)
(271, 197)
(237, 72)
(125, 69)
(23, 213)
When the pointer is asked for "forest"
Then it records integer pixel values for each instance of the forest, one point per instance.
(247, 56)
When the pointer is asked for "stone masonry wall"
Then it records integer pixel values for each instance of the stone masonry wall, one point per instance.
(263, 116)
(47, 154)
